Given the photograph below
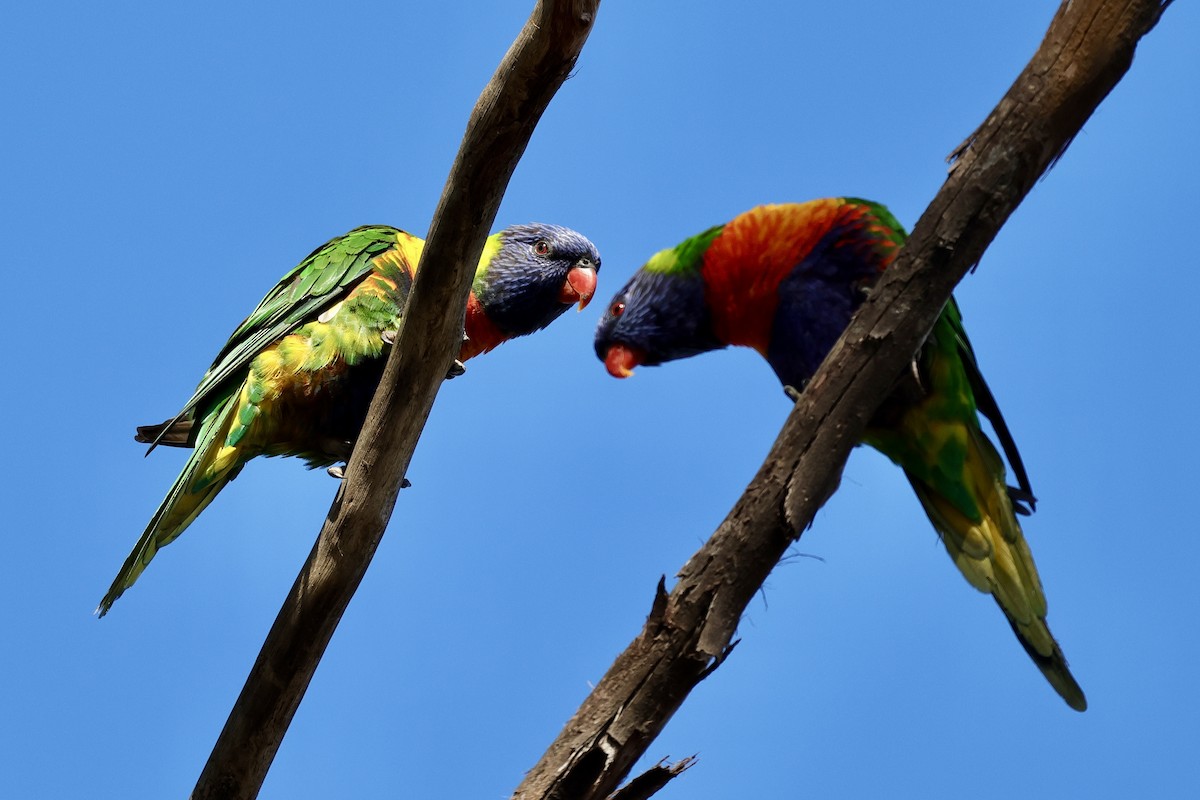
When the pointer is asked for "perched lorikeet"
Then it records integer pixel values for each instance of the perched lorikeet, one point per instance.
(785, 280)
(296, 378)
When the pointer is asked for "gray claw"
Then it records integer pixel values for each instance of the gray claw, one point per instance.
(456, 369)
(916, 373)
(339, 471)
(793, 393)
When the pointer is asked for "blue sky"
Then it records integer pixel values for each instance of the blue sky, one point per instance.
(164, 166)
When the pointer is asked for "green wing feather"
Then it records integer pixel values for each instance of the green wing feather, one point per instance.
(1024, 501)
(319, 282)
(958, 476)
(183, 503)
(316, 283)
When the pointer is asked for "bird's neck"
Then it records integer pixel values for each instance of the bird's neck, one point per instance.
(745, 266)
(785, 279)
(482, 333)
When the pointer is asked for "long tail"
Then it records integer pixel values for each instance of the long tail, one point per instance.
(210, 466)
(991, 551)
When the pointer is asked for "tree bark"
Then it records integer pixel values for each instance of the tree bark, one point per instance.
(689, 632)
(497, 133)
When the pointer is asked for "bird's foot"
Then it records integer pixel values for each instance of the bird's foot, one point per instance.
(456, 369)
(339, 471)
(793, 393)
(916, 373)
(1023, 502)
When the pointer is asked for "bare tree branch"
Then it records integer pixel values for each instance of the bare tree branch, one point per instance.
(497, 133)
(649, 782)
(1088, 47)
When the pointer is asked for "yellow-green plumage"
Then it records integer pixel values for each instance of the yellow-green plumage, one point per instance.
(932, 432)
(297, 376)
(234, 417)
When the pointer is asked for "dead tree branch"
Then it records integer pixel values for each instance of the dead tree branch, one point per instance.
(1088, 47)
(647, 784)
(497, 133)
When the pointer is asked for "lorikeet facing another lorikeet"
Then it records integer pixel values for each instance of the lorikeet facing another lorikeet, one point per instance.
(297, 377)
(785, 280)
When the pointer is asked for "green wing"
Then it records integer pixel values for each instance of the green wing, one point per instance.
(318, 282)
(1022, 495)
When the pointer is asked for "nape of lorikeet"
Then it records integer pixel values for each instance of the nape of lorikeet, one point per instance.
(785, 280)
(297, 377)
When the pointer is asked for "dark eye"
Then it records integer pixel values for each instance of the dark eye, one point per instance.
(541, 247)
(618, 308)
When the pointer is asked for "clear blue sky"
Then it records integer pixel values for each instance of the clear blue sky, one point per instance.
(162, 168)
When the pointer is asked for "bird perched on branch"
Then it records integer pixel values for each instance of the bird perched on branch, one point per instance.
(297, 377)
(785, 280)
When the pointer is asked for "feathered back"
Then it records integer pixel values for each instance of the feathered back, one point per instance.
(783, 279)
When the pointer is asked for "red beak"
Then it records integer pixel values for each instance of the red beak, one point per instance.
(621, 359)
(579, 287)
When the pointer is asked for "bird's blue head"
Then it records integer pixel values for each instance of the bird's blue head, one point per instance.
(661, 314)
(535, 274)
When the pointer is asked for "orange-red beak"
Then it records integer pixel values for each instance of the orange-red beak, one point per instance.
(621, 359)
(579, 287)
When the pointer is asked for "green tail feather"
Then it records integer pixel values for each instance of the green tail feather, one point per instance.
(1058, 674)
(931, 430)
(181, 506)
(1005, 569)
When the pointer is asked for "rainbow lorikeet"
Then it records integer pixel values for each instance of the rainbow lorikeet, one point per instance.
(297, 376)
(785, 280)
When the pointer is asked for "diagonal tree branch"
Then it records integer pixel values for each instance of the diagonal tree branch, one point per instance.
(649, 782)
(1088, 47)
(497, 133)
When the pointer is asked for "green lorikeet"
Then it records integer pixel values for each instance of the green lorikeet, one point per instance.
(785, 280)
(296, 378)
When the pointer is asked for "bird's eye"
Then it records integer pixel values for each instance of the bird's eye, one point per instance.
(618, 308)
(541, 247)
